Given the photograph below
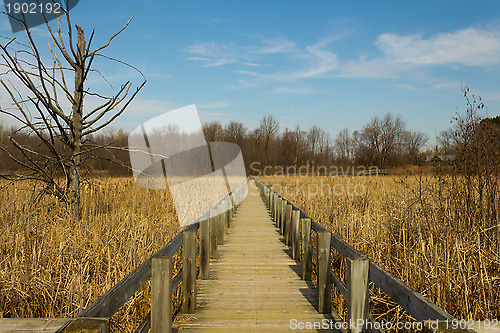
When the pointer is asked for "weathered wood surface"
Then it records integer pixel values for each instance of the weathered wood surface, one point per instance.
(32, 324)
(254, 284)
(53, 325)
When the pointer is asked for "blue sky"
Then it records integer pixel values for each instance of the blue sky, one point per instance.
(329, 63)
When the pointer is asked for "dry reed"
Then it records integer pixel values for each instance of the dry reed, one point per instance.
(52, 267)
(413, 226)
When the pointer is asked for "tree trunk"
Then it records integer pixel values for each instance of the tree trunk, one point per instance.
(73, 181)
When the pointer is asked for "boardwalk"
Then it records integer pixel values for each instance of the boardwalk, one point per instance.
(254, 286)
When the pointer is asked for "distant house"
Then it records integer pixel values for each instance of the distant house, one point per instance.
(439, 158)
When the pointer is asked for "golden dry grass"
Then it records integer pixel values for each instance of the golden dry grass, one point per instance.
(51, 267)
(413, 226)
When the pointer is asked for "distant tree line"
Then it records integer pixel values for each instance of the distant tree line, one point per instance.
(383, 142)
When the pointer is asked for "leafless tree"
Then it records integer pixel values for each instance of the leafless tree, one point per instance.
(213, 131)
(47, 95)
(267, 131)
(381, 138)
(294, 147)
(235, 132)
(344, 146)
(413, 143)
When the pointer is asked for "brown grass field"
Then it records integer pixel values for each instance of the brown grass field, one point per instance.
(51, 267)
(412, 226)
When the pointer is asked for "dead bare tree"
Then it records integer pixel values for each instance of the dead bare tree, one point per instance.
(48, 102)
(266, 133)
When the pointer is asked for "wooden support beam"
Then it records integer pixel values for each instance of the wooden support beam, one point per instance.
(204, 250)
(288, 222)
(306, 250)
(189, 271)
(220, 229)
(88, 325)
(213, 236)
(282, 216)
(278, 212)
(357, 293)
(324, 267)
(161, 294)
(296, 234)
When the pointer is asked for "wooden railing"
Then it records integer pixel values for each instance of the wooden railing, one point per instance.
(158, 268)
(297, 228)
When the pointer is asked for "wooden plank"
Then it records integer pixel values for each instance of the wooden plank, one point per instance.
(306, 250)
(204, 250)
(324, 267)
(113, 299)
(9, 325)
(66, 325)
(189, 271)
(357, 293)
(161, 291)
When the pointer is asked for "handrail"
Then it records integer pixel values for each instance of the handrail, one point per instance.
(114, 298)
(411, 301)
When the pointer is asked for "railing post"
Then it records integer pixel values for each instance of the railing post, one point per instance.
(204, 250)
(282, 216)
(357, 292)
(271, 204)
(324, 267)
(278, 212)
(288, 222)
(161, 294)
(220, 228)
(296, 234)
(306, 250)
(189, 271)
(213, 236)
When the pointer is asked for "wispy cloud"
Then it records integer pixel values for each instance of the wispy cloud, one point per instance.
(467, 47)
(409, 56)
(316, 59)
(470, 47)
(214, 54)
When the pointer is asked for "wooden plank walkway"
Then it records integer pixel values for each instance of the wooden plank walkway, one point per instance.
(254, 284)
